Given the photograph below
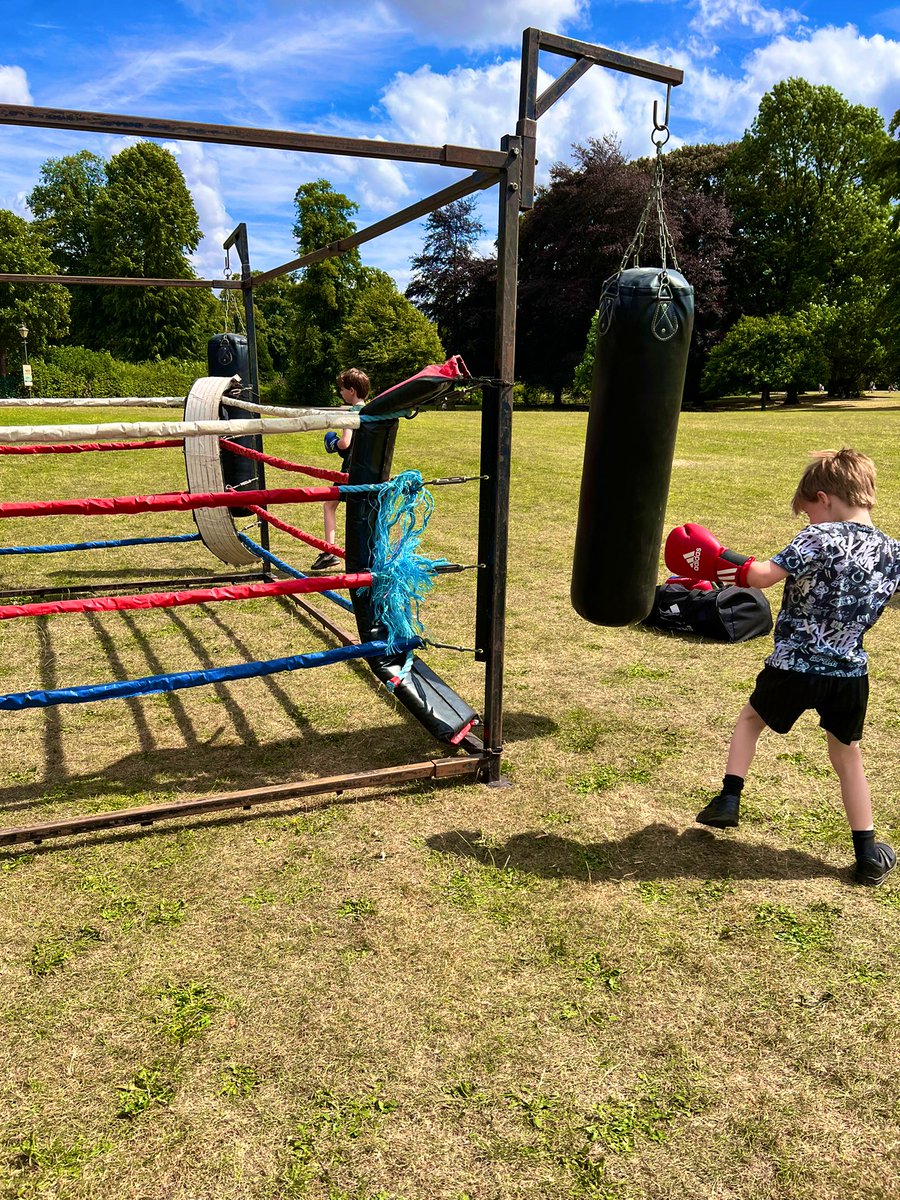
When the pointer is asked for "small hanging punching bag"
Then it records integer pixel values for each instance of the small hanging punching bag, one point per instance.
(643, 333)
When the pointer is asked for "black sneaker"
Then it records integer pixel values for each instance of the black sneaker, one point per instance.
(722, 812)
(877, 866)
(326, 562)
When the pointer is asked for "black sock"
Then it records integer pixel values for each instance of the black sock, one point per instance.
(732, 785)
(863, 843)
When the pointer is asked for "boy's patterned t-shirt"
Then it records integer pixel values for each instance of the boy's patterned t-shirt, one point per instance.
(841, 574)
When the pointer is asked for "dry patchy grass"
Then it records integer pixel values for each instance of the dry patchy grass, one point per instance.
(561, 989)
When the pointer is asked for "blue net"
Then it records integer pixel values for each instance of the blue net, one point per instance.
(402, 576)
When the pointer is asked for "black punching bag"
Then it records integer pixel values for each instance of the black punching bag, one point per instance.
(228, 354)
(643, 334)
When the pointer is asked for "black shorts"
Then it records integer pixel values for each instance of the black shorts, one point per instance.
(781, 696)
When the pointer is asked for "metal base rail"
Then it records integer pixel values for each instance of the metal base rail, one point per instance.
(469, 766)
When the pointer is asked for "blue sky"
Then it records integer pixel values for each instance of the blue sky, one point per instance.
(408, 70)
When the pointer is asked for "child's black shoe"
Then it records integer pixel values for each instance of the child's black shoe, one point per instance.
(876, 867)
(326, 562)
(722, 812)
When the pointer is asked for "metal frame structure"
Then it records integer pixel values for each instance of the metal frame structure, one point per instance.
(512, 170)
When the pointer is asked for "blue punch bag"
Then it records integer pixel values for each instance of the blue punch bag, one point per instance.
(643, 335)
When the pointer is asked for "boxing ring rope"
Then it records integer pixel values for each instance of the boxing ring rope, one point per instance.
(398, 577)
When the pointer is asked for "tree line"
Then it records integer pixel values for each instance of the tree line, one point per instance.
(789, 236)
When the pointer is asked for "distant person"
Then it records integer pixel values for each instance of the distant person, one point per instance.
(353, 385)
(821, 387)
(839, 573)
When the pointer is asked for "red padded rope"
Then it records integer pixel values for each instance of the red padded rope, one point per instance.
(283, 464)
(242, 591)
(81, 447)
(169, 502)
(299, 534)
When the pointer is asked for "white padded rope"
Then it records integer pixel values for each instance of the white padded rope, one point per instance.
(115, 432)
(352, 413)
(203, 466)
(95, 402)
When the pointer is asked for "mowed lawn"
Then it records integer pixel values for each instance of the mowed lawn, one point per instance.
(559, 989)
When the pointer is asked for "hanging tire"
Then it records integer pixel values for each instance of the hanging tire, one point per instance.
(204, 472)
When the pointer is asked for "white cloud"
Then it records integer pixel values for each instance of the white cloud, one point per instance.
(715, 15)
(476, 24)
(475, 107)
(865, 69)
(14, 86)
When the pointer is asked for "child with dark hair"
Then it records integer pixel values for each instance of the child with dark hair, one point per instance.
(353, 385)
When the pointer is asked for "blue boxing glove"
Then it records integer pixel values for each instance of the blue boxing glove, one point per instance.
(331, 441)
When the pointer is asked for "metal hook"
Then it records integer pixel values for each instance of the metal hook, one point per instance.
(665, 123)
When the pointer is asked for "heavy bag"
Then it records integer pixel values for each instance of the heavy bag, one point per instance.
(728, 614)
(643, 334)
(228, 354)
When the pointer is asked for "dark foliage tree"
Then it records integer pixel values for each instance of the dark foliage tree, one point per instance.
(577, 234)
(44, 311)
(144, 224)
(445, 272)
(325, 292)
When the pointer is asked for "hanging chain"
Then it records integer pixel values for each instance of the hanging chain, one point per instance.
(230, 311)
(655, 204)
(228, 274)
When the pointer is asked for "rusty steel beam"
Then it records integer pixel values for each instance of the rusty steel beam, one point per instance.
(441, 768)
(241, 135)
(603, 57)
(473, 183)
(121, 281)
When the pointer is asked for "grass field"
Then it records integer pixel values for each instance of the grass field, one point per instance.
(561, 989)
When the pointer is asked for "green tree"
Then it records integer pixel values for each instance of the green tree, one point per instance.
(43, 310)
(325, 293)
(63, 207)
(387, 336)
(275, 301)
(144, 224)
(760, 354)
(443, 271)
(853, 337)
(804, 191)
(889, 308)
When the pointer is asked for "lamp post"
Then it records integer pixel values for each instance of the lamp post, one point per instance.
(26, 366)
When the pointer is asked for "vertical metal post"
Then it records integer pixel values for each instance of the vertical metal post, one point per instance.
(526, 128)
(243, 248)
(496, 450)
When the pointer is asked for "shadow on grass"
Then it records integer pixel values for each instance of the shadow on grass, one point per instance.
(657, 851)
(205, 766)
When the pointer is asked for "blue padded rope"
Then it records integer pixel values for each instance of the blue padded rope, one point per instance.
(150, 541)
(373, 418)
(402, 577)
(295, 574)
(153, 685)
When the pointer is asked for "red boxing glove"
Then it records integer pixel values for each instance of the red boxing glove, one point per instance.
(693, 550)
(691, 583)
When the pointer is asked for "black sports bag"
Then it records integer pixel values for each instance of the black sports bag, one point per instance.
(728, 614)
